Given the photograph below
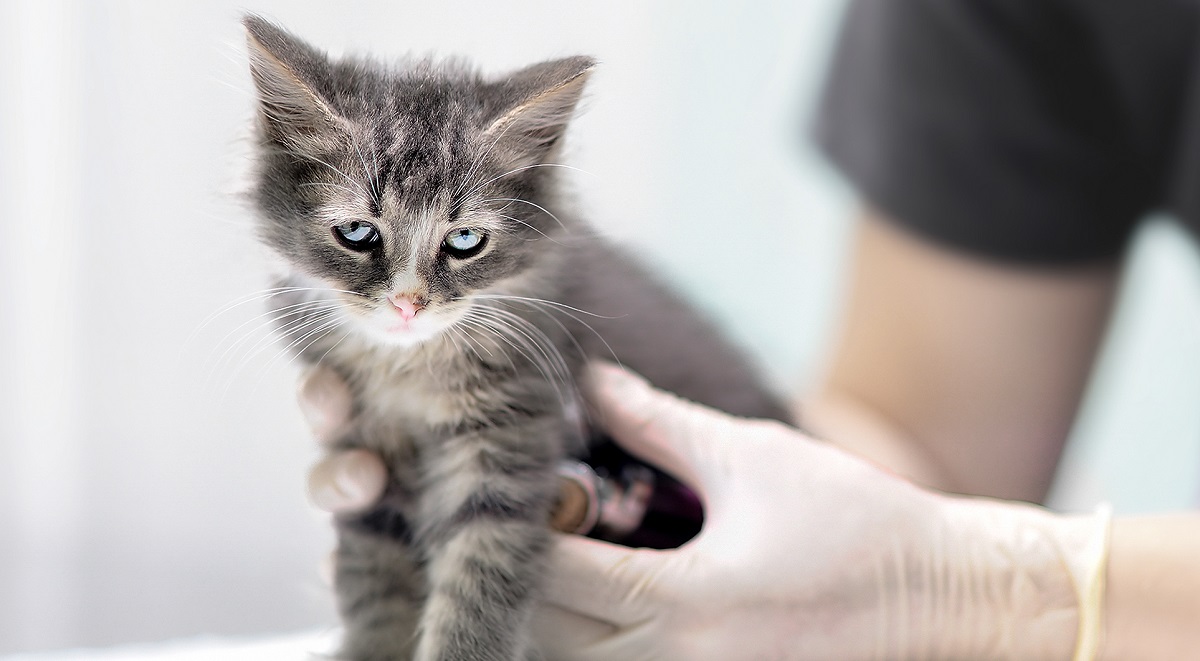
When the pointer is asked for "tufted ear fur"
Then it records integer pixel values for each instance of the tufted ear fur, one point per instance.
(286, 73)
(532, 107)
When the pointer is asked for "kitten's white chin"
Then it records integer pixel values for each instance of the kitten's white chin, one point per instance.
(403, 338)
(386, 329)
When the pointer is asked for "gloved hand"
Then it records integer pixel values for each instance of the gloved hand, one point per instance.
(810, 553)
(343, 481)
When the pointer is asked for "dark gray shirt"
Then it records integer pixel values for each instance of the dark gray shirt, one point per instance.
(1036, 131)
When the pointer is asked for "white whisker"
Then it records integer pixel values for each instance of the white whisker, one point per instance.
(480, 327)
(329, 185)
(310, 337)
(561, 308)
(510, 200)
(242, 300)
(317, 362)
(515, 171)
(566, 331)
(479, 161)
(555, 356)
(306, 331)
(504, 337)
(347, 177)
(466, 338)
(286, 330)
(533, 334)
(528, 299)
(366, 171)
(376, 170)
(276, 315)
(223, 359)
(538, 356)
(518, 220)
(247, 357)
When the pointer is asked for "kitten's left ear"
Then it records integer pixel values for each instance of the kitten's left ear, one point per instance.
(532, 107)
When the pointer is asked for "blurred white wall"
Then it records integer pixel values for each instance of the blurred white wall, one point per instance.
(151, 482)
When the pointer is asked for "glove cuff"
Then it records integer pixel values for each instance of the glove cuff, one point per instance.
(1088, 570)
(1026, 583)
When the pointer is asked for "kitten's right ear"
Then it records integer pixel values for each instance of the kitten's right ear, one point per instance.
(285, 72)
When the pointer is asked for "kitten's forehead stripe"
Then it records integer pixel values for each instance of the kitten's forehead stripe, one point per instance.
(381, 182)
(430, 146)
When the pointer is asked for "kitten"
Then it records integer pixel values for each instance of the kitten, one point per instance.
(413, 203)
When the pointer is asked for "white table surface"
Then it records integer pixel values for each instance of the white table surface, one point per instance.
(302, 646)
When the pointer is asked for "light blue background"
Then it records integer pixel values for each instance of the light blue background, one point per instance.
(145, 494)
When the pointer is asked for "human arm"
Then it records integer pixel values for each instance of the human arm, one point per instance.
(962, 374)
(965, 376)
(1153, 595)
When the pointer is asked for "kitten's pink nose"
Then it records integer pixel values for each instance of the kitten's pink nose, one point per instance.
(407, 305)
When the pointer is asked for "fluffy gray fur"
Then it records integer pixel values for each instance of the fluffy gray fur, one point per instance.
(472, 418)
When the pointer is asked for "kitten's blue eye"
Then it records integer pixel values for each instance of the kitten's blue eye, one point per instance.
(357, 235)
(463, 243)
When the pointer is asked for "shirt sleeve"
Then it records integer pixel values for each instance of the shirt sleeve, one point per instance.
(987, 125)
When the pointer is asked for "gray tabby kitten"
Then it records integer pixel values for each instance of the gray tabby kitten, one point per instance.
(412, 202)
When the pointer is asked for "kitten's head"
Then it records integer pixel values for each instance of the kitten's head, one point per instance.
(409, 188)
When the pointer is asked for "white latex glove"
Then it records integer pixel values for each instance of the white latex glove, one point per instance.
(810, 553)
(347, 480)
